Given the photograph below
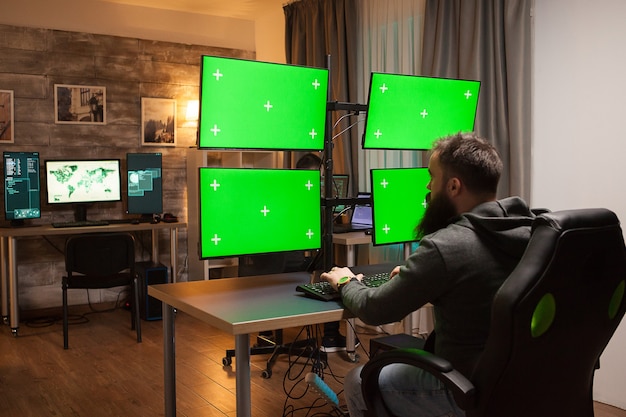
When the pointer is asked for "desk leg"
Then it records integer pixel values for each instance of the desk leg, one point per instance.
(169, 359)
(242, 375)
(350, 336)
(173, 253)
(4, 284)
(13, 303)
(155, 245)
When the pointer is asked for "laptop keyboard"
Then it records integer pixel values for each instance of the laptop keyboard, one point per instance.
(324, 291)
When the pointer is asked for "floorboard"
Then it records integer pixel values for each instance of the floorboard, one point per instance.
(106, 373)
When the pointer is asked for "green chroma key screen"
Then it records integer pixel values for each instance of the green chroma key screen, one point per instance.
(398, 203)
(246, 211)
(259, 105)
(410, 112)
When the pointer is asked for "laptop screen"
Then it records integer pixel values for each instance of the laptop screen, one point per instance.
(362, 213)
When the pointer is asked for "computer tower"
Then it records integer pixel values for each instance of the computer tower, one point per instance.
(150, 273)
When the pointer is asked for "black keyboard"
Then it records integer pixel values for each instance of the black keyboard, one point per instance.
(324, 291)
(83, 223)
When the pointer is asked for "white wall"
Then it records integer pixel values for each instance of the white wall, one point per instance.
(579, 140)
(270, 35)
(94, 16)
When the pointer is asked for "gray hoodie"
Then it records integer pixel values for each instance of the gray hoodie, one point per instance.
(458, 269)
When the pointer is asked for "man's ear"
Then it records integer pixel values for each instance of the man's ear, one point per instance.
(453, 187)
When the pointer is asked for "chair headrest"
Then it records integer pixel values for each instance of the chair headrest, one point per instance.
(576, 219)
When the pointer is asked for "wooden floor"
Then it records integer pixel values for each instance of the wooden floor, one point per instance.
(106, 373)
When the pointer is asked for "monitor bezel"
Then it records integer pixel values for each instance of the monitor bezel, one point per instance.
(128, 197)
(200, 146)
(19, 220)
(376, 241)
(119, 177)
(389, 148)
(238, 254)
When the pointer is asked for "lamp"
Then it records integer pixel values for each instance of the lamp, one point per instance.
(193, 107)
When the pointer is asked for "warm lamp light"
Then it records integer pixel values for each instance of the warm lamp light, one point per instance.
(193, 107)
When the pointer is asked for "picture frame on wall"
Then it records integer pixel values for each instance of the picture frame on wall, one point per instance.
(79, 104)
(7, 118)
(158, 121)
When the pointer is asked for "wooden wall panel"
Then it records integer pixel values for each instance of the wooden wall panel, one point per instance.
(33, 61)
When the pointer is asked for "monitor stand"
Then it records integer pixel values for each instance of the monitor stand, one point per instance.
(80, 212)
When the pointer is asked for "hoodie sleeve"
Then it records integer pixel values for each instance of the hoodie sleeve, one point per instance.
(420, 280)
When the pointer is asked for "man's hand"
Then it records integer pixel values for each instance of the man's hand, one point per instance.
(335, 274)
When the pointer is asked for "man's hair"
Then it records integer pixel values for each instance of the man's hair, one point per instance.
(472, 159)
(309, 160)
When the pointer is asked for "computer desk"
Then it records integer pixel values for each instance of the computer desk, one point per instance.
(241, 306)
(8, 252)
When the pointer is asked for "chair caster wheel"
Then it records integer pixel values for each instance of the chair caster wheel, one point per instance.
(266, 374)
(227, 361)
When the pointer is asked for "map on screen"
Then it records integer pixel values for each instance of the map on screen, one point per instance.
(83, 181)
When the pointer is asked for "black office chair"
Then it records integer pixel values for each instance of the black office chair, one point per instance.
(550, 322)
(101, 260)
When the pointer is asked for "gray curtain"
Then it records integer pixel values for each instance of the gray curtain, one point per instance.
(315, 29)
(488, 40)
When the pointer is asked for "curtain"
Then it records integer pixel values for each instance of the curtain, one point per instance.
(314, 30)
(488, 40)
(390, 40)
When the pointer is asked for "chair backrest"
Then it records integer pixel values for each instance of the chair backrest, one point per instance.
(553, 317)
(99, 254)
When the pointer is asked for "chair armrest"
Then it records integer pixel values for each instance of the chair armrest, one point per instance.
(462, 389)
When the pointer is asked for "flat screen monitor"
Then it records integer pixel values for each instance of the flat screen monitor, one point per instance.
(81, 182)
(259, 105)
(246, 211)
(410, 112)
(145, 183)
(22, 186)
(398, 203)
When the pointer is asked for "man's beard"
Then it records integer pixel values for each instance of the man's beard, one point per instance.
(439, 214)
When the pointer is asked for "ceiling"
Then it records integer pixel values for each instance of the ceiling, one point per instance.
(239, 9)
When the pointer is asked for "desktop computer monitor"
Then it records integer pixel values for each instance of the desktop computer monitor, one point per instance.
(398, 203)
(259, 105)
(247, 211)
(145, 183)
(22, 186)
(410, 112)
(82, 182)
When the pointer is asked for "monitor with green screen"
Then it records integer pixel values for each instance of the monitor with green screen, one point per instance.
(398, 203)
(410, 112)
(245, 211)
(259, 105)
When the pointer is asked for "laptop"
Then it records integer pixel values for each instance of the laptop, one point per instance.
(361, 219)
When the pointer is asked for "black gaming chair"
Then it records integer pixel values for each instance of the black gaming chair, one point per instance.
(550, 322)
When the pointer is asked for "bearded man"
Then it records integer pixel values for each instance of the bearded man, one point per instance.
(469, 243)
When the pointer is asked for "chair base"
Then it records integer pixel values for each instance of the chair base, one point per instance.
(307, 348)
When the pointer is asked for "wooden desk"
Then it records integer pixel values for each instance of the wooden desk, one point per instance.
(8, 252)
(241, 306)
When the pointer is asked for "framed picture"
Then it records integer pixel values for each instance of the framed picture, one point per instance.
(158, 121)
(79, 104)
(6, 117)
